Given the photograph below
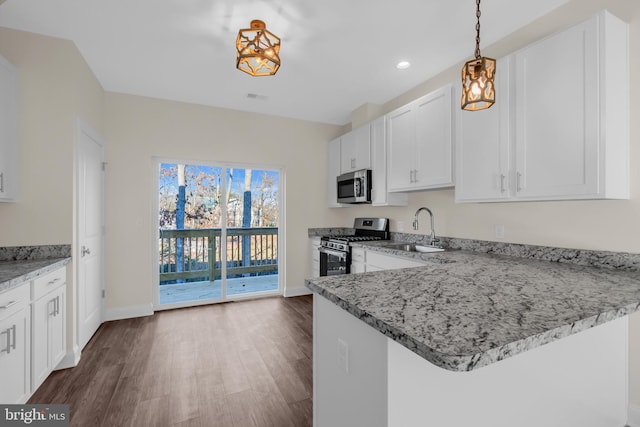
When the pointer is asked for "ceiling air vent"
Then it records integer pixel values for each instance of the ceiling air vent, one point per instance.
(257, 97)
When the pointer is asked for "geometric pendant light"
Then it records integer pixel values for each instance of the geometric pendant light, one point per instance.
(258, 50)
(478, 88)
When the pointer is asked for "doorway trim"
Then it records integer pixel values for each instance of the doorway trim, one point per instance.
(82, 127)
(156, 161)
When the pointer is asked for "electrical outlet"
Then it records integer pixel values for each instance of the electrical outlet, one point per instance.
(343, 355)
(499, 231)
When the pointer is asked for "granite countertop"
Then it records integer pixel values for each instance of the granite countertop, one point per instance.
(464, 310)
(16, 272)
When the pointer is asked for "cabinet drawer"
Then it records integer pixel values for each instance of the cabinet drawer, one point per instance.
(44, 284)
(389, 262)
(14, 300)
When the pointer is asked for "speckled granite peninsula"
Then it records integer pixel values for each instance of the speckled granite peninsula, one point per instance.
(464, 310)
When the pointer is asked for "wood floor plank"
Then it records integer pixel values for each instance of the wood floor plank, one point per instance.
(212, 401)
(123, 404)
(241, 364)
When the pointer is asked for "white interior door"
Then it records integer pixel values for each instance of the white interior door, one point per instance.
(89, 247)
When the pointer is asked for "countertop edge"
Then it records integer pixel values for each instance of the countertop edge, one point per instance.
(52, 264)
(465, 363)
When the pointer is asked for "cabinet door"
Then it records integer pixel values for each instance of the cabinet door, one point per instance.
(15, 351)
(379, 193)
(401, 136)
(8, 129)
(362, 147)
(483, 141)
(58, 328)
(348, 152)
(355, 150)
(49, 334)
(43, 310)
(333, 170)
(434, 143)
(557, 115)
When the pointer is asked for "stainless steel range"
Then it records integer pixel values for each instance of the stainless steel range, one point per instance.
(335, 251)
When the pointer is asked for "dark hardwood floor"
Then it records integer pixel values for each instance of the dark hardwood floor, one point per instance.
(239, 364)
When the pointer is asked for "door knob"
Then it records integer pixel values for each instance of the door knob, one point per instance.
(85, 251)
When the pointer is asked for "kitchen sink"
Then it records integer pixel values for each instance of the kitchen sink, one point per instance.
(412, 247)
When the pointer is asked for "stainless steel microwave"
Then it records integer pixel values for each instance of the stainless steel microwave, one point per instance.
(354, 187)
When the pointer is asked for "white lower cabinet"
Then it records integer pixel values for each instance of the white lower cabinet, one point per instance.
(15, 345)
(33, 331)
(358, 260)
(49, 334)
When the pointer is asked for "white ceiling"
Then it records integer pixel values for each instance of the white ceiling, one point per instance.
(336, 54)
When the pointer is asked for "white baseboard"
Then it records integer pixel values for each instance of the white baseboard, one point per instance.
(633, 419)
(71, 359)
(297, 291)
(129, 312)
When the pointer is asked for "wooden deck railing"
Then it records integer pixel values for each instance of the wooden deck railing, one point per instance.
(196, 254)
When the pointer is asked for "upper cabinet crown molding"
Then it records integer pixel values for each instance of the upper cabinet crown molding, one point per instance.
(8, 130)
(561, 127)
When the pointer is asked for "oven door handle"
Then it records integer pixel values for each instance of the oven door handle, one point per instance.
(328, 251)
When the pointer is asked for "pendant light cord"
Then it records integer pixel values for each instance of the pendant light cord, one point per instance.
(478, 29)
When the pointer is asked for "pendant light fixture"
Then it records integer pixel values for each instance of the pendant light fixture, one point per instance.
(478, 89)
(258, 50)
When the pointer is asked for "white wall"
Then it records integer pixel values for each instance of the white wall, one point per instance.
(55, 87)
(139, 129)
(599, 225)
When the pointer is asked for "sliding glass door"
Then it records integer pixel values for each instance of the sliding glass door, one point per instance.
(218, 233)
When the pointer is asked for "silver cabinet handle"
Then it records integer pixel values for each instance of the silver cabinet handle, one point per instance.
(415, 175)
(58, 305)
(502, 177)
(353, 163)
(518, 183)
(13, 345)
(85, 251)
(1, 182)
(10, 346)
(9, 304)
(52, 313)
(51, 282)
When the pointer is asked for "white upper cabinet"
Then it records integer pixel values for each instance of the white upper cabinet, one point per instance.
(560, 129)
(333, 170)
(483, 144)
(8, 130)
(355, 150)
(568, 143)
(379, 191)
(420, 143)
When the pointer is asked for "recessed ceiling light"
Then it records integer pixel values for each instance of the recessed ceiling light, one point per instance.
(403, 65)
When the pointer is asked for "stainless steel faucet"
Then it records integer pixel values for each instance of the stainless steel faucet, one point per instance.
(434, 240)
